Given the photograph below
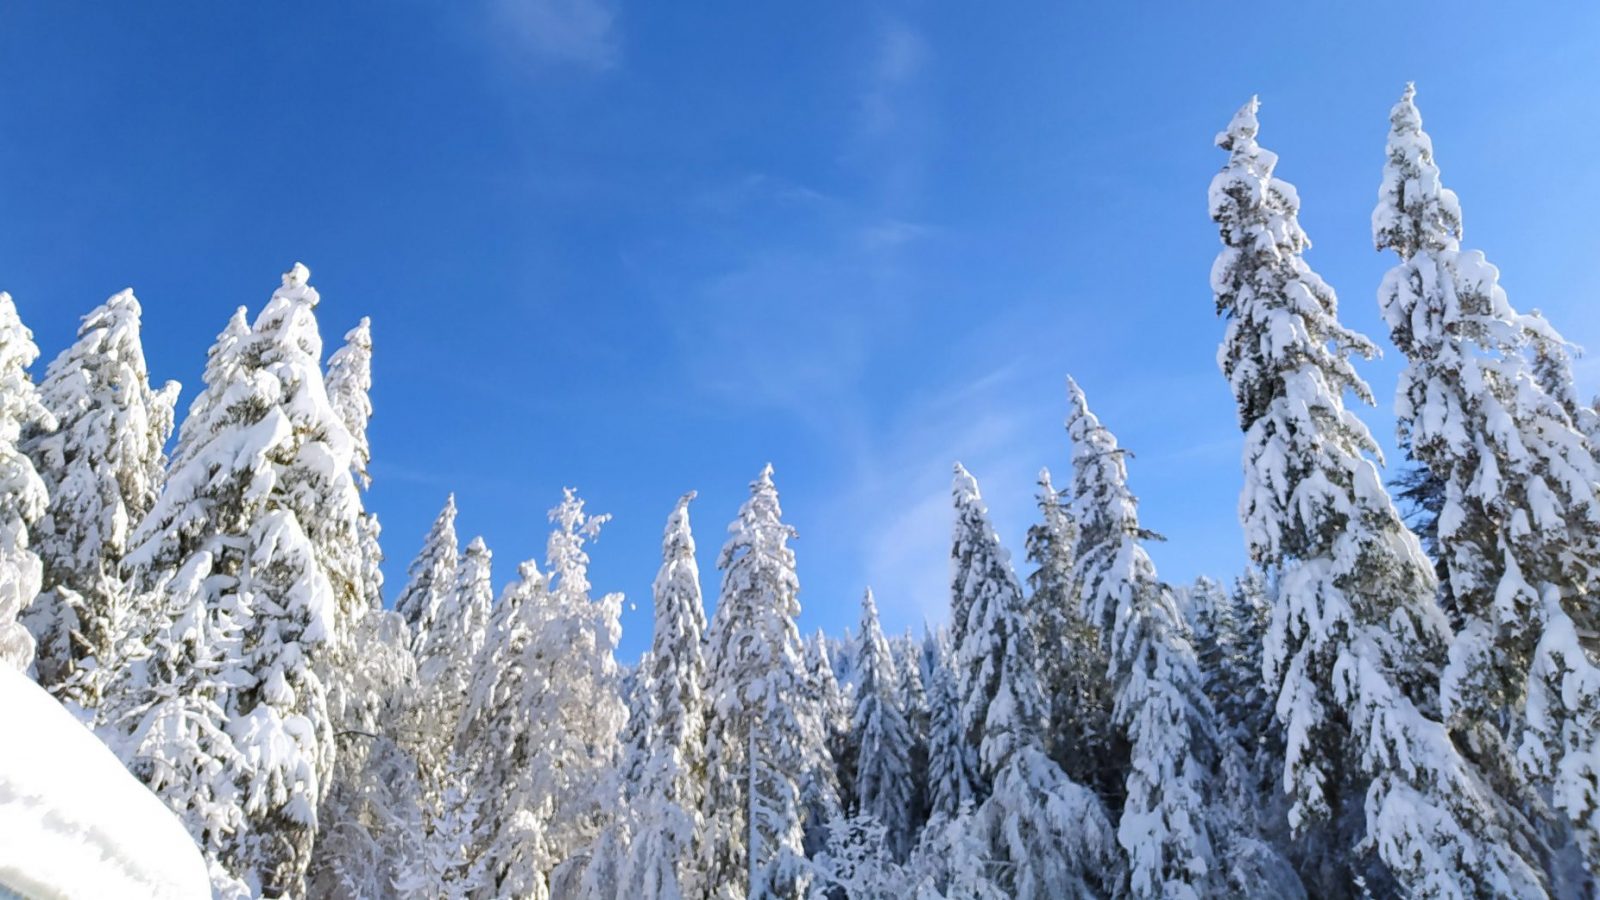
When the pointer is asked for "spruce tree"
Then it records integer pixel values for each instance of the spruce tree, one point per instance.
(762, 738)
(103, 467)
(883, 788)
(1356, 636)
(661, 862)
(1519, 506)
(1049, 832)
(950, 769)
(22, 492)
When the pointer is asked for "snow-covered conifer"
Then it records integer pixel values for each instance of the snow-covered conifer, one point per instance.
(950, 767)
(761, 734)
(22, 491)
(1520, 506)
(665, 803)
(1072, 656)
(432, 574)
(883, 788)
(1356, 634)
(103, 467)
(1049, 830)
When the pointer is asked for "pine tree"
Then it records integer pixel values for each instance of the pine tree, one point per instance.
(827, 785)
(1519, 507)
(1072, 659)
(349, 391)
(103, 467)
(1356, 635)
(22, 492)
(760, 741)
(433, 576)
(1049, 830)
(883, 788)
(660, 864)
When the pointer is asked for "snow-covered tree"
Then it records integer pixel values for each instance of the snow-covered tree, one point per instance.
(447, 656)
(432, 574)
(1356, 635)
(103, 467)
(553, 785)
(260, 496)
(1049, 830)
(950, 767)
(665, 802)
(1072, 658)
(1167, 827)
(857, 862)
(883, 788)
(22, 491)
(1519, 511)
(349, 390)
(830, 781)
(762, 738)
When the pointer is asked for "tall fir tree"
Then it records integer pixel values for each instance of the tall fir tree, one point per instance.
(950, 787)
(1356, 636)
(1518, 515)
(103, 467)
(762, 737)
(1048, 833)
(665, 802)
(22, 492)
(883, 787)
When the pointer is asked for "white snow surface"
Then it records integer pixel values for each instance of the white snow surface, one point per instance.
(73, 822)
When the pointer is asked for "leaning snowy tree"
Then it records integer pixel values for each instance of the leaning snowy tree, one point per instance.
(1049, 834)
(103, 466)
(1519, 511)
(260, 497)
(1356, 636)
(22, 491)
(762, 737)
(883, 788)
(670, 756)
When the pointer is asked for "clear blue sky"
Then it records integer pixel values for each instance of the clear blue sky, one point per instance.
(643, 248)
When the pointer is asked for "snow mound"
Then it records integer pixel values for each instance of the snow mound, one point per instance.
(73, 822)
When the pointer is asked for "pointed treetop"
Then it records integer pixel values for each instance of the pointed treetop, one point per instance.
(297, 276)
(1415, 210)
(766, 475)
(965, 487)
(477, 548)
(869, 609)
(1243, 127)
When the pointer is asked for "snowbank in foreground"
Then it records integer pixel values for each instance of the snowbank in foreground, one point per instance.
(73, 822)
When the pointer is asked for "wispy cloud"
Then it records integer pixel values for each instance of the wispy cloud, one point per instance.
(573, 32)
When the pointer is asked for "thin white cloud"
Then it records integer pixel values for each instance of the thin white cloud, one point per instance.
(574, 32)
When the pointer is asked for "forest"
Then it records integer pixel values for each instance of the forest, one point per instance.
(1399, 698)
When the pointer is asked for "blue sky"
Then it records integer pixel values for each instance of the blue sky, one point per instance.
(643, 248)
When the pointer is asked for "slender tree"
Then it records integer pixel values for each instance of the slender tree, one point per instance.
(432, 574)
(883, 788)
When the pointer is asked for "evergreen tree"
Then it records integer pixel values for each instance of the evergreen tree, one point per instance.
(349, 387)
(103, 467)
(268, 456)
(1072, 658)
(1519, 506)
(1050, 831)
(950, 787)
(660, 864)
(760, 741)
(830, 780)
(432, 574)
(1172, 825)
(883, 788)
(1356, 636)
(22, 492)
